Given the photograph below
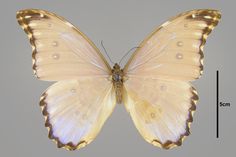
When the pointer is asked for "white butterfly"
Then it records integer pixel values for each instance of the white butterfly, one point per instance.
(154, 85)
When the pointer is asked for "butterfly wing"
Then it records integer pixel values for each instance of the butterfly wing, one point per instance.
(76, 107)
(158, 94)
(159, 112)
(60, 50)
(175, 49)
(76, 110)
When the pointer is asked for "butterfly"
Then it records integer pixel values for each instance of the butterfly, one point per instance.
(154, 85)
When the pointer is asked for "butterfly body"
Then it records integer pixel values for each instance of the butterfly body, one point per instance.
(155, 84)
(117, 79)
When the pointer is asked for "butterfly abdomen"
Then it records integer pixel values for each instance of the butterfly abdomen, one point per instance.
(118, 90)
(117, 79)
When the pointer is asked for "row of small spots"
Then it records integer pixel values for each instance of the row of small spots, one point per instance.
(179, 55)
(77, 113)
(55, 56)
(153, 115)
(179, 44)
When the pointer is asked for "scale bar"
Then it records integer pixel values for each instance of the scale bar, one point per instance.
(217, 104)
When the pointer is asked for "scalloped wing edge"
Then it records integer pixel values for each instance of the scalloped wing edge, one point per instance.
(69, 146)
(192, 109)
(43, 13)
(206, 32)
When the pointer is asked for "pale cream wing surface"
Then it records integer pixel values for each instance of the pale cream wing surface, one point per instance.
(75, 110)
(175, 49)
(76, 107)
(60, 51)
(161, 109)
(157, 91)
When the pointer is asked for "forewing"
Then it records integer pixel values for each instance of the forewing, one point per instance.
(60, 51)
(175, 50)
(161, 110)
(76, 110)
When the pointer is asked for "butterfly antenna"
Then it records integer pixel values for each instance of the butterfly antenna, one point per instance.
(136, 47)
(106, 52)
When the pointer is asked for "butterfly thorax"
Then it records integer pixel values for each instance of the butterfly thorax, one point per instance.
(117, 79)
